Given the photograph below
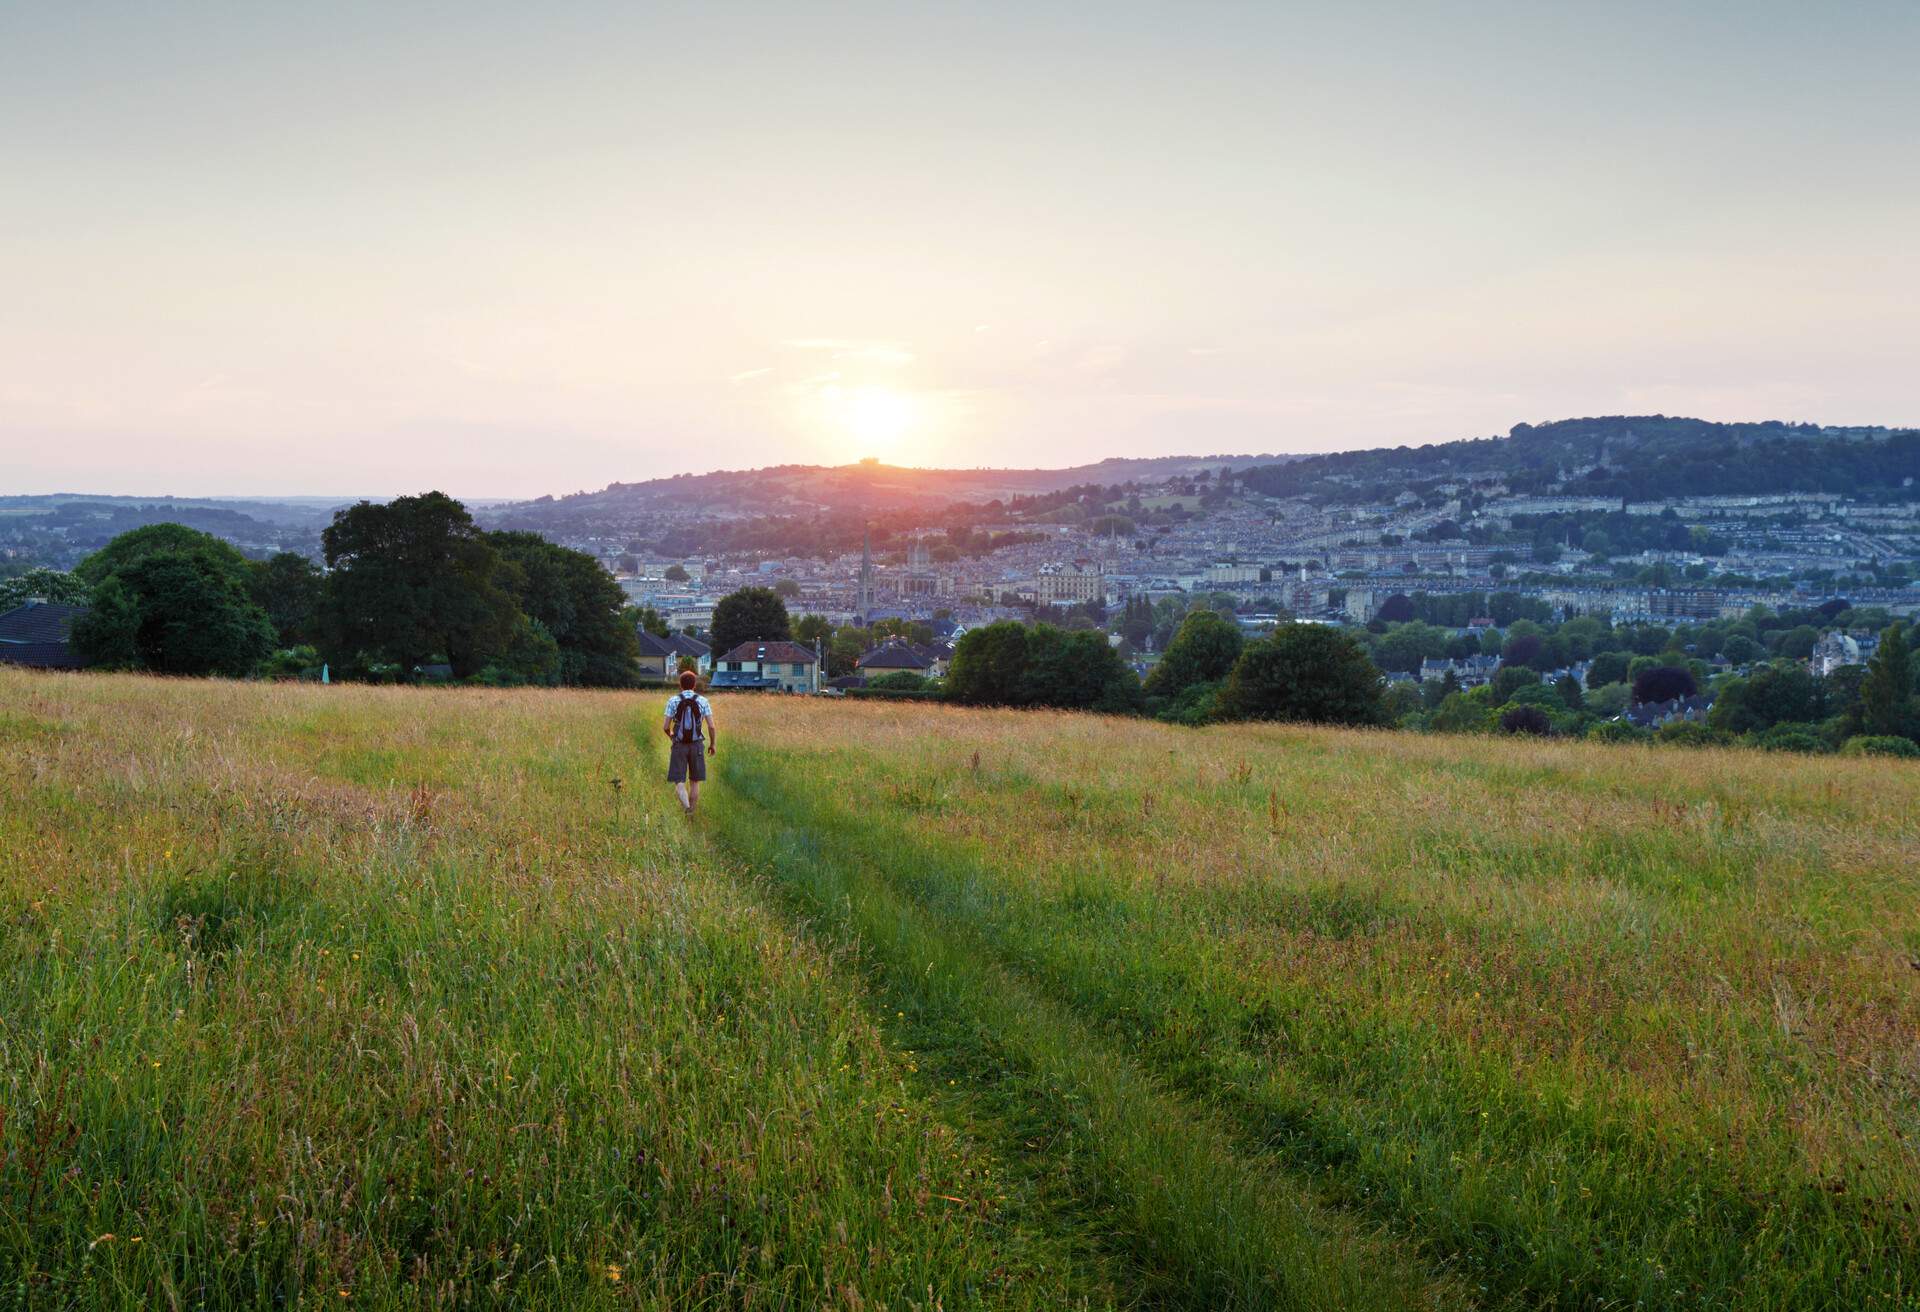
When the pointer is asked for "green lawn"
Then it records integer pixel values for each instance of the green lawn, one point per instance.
(376, 997)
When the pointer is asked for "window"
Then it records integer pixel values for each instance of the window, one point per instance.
(735, 666)
(799, 669)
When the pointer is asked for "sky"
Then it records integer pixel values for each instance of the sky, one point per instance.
(510, 249)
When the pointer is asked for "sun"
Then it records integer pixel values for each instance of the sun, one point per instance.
(874, 420)
(859, 419)
(878, 416)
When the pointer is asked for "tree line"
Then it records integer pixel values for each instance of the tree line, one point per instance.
(411, 588)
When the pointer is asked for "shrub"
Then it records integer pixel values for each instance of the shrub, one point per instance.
(1526, 718)
(1689, 733)
(301, 662)
(1880, 744)
(1791, 738)
(1616, 731)
(1463, 712)
(1197, 704)
(897, 694)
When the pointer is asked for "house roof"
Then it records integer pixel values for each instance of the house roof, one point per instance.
(38, 621)
(652, 645)
(783, 652)
(36, 635)
(897, 656)
(685, 644)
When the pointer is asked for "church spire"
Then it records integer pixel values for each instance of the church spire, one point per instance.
(866, 574)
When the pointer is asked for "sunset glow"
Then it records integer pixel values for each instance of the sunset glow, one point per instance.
(342, 249)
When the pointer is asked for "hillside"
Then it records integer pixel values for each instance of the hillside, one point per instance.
(383, 997)
(867, 486)
(1638, 457)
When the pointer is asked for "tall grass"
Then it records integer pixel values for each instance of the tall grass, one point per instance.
(381, 998)
(1590, 1027)
(378, 997)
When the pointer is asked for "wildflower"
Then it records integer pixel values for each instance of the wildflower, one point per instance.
(613, 1273)
(106, 1238)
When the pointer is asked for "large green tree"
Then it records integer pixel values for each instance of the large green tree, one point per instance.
(1304, 672)
(1887, 689)
(530, 658)
(1076, 670)
(175, 611)
(989, 665)
(1403, 646)
(130, 546)
(579, 606)
(412, 581)
(749, 615)
(1773, 694)
(1203, 650)
(287, 587)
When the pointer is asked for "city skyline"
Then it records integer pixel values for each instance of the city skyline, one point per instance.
(358, 252)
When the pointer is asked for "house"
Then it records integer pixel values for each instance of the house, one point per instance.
(660, 657)
(898, 656)
(1840, 649)
(1469, 673)
(775, 666)
(36, 635)
(688, 647)
(1652, 715)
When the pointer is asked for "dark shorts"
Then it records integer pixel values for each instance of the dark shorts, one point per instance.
(687, 761)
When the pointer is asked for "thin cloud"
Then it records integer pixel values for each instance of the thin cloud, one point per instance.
(854, 350)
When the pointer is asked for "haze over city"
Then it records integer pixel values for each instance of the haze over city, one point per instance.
(510, 251)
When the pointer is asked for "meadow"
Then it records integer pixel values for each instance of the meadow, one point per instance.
(380, 997)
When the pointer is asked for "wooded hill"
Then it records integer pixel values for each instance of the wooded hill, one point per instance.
(1637, 457)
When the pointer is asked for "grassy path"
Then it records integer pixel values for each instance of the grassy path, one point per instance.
(1202, 1220)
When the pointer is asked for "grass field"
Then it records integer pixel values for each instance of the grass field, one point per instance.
(375, 997)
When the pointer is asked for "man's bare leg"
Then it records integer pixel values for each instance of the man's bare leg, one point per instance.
(693, 796)
(680, 789)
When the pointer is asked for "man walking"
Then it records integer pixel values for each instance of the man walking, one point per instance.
(687, 714)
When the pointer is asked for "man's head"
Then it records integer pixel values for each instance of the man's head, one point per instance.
(688, 680)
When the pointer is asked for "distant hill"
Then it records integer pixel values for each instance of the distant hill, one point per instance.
(1639, 457)
(867, 486)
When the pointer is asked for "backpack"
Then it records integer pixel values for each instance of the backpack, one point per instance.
(686, 718)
